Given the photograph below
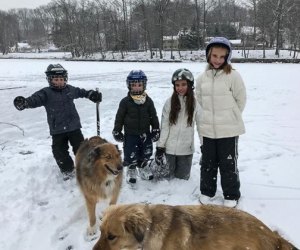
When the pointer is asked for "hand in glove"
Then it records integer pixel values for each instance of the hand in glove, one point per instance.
(118, 136)
(95, 96)
(159, 155)
(155, 134)
(20, 103)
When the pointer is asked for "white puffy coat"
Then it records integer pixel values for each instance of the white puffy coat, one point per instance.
(222, 98)
(178, 139)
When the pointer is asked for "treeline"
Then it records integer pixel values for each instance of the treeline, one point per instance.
(88, 26)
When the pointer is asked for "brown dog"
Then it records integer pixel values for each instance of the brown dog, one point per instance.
(195, 227)
(99, 174)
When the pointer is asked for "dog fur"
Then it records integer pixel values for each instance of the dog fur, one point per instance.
(194, 227)
(99, 174)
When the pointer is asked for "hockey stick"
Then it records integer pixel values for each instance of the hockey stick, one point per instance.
(98, 115)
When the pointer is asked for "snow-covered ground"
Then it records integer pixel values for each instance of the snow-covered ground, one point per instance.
(40, 211)
(198, 55)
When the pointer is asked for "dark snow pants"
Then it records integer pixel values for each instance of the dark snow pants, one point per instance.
(60, 149)
(137, 150)
(220, 154)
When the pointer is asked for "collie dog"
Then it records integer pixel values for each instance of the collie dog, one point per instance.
(194, 227)
(99, 174)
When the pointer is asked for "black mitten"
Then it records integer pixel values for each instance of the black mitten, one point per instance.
(155, 134)
(20, 103)
(95, 96)
(159, 155)
(118, 136)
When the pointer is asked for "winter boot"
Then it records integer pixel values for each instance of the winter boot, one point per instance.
(146, 173)
(230, 203)
(205, 200)
(68, 175)
(131, 175)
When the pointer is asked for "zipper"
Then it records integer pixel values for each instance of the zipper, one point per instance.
(213, 102)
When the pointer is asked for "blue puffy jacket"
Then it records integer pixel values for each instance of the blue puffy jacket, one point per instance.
(62, 115)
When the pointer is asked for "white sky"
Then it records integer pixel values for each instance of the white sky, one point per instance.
(30, 4)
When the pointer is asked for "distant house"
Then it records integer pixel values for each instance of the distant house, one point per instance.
(170, 42)
(247, 35)
(236, 43)
(21, 47)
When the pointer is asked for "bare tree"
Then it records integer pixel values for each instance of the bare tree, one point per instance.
(161, 7)
(9, 31)
(293, 28)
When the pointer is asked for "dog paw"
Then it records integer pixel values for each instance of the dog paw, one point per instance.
(91, 230)
(91, 233)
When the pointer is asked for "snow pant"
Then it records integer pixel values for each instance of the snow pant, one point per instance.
(179, 166)
(137, 150)
(220, 154)
(60, 149)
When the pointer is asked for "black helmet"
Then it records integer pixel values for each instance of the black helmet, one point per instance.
(220, 41)
(56, 70)
(183, 74)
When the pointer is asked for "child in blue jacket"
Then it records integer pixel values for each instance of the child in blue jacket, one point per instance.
(63, 119)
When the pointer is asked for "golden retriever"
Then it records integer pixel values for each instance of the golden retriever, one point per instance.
(99, 174)
(194, 227)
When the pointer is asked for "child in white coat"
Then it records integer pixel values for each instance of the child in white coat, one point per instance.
(221, 94)
(180, 113)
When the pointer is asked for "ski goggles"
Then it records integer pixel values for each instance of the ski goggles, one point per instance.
(183, 75)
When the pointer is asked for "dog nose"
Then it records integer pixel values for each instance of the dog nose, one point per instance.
(120, 167)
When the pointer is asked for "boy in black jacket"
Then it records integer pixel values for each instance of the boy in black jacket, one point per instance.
(137, 114)
(63, 119)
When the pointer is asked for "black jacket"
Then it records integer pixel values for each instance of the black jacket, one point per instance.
(136, 118)
(62, 115)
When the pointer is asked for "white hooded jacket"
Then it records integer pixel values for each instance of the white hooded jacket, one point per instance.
(178, 139)
(222, 98)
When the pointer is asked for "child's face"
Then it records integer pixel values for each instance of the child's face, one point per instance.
(58, 81)
(181, 87)
(136, 87)
(217, 56)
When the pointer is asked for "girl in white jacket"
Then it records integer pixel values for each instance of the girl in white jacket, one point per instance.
(221, 94)
(180, 113)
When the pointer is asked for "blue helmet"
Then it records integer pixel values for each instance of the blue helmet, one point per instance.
(136, 76)
(220, 41)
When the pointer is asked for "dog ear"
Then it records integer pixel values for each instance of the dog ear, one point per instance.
(94, 154)
(137, 225)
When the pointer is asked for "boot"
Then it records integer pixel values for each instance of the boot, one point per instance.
(145, 172)
(131, 175)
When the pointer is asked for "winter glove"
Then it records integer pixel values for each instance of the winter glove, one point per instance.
(159, 155)
(118, 136)
(20, 103)
(155, 134)
(95, 96)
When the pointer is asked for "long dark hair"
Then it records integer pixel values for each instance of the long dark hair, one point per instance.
(190, 106)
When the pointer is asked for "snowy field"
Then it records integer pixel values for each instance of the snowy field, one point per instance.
(40, 211)
(196, 55)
